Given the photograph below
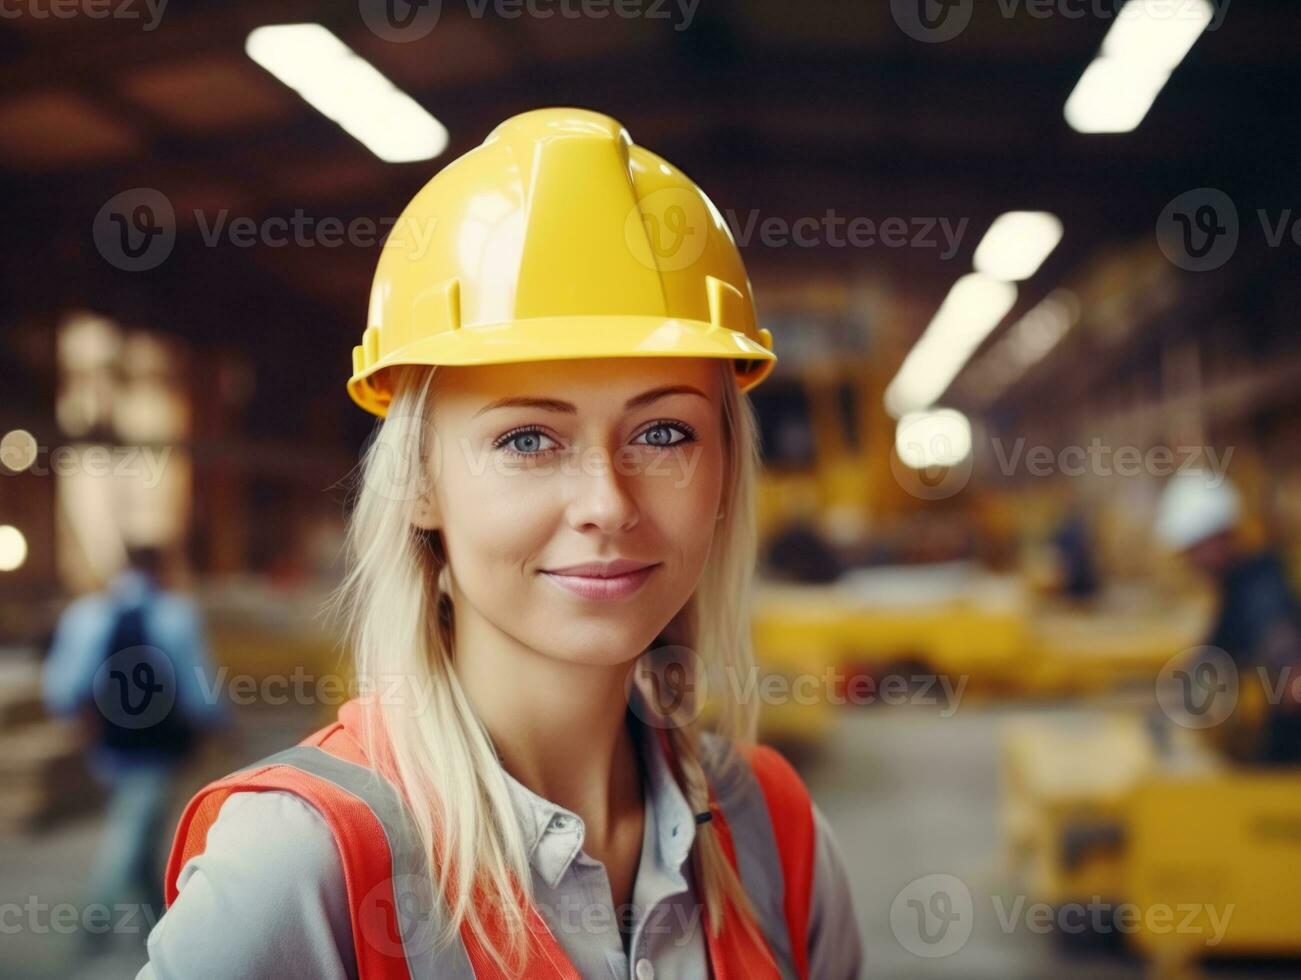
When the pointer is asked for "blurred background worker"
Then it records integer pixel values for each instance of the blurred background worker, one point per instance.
(1078, 577)
(131, 665)
(1257, 619)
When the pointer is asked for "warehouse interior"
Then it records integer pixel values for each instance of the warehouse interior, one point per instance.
(1026, 265)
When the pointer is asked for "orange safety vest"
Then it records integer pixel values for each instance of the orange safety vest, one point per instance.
(763, 815)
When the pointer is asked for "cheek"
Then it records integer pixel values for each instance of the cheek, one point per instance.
(683, 500)
(493, 519)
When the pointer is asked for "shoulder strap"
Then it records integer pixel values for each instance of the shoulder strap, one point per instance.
(389, 896)
(769, 817)
(791, 811)
(395, 925)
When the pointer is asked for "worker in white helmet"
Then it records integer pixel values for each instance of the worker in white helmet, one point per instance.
(1257, 622)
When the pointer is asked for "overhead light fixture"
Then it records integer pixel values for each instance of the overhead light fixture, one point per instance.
(938, 437)
(1158, 33)
(13, 548)
(1146, 42)
(1113, 96)
(1017, 244)
(18, 450)
(974, 306)
(341, 85)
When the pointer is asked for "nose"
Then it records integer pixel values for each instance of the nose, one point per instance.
(601, 501)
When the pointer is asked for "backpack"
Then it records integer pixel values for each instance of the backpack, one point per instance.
(135, 690)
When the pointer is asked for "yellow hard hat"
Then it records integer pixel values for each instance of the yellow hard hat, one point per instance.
(557, 238)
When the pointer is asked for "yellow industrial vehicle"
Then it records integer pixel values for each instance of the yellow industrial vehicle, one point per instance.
(828, 446)
(829, 632)
(1074, 652)
(1197, 856)
(838, 632)
(822, 432)
(825, 441)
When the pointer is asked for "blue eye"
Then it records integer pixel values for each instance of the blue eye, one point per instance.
(526, 442)
(664, 434)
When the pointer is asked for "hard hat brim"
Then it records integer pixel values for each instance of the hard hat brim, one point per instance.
(566, 338)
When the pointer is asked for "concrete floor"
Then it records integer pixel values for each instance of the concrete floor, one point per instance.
(909, 794)
(913, 796)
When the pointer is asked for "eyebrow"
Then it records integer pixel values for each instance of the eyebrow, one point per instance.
(568, 408)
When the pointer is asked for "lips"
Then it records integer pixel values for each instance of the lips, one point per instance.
(599, 580)
(602, 569)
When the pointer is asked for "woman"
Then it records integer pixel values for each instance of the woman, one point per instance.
(552, 541)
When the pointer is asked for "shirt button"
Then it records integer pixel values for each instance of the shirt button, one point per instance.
(645, 971)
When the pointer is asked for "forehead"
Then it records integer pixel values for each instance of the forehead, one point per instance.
(596, 382)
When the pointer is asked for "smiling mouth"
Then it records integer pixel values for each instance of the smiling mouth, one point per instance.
(602, 580)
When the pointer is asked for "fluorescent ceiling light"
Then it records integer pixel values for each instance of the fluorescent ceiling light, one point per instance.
(343, 86)
(940, 437)
(974, 306)
(1017, 244)
(1113, 96)
(1157, 33)
(1146, 42)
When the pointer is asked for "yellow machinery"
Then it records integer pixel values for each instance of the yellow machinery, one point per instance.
(822, 430)
(1222, 851)
(958, 628)
(825, 437)
(1196, 857)
(828, 445)
(1081, 652)
(956, 622)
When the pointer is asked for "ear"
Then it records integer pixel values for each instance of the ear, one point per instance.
(427, 516)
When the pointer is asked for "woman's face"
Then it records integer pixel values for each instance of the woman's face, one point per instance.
(577, 499)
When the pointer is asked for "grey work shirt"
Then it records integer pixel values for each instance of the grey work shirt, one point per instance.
(267, 898)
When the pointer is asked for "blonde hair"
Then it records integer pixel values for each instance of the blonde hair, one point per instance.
(398, 621)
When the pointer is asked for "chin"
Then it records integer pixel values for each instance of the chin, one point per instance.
(596, 643)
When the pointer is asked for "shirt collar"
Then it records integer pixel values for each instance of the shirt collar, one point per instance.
(553, 835)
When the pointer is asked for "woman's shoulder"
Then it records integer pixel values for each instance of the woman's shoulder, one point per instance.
(271, 876)
(277, 825)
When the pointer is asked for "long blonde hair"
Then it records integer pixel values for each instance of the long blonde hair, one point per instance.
(398, 621)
